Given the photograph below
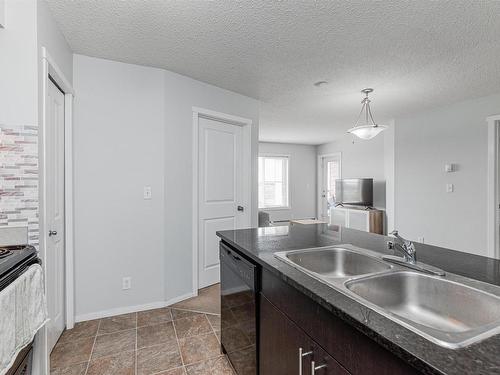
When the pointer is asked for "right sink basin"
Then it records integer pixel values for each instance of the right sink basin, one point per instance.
(451, 314)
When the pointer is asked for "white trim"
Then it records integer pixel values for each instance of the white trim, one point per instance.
(492, 209)
(246, 125)
(131, 309)
(319, 181)
(50, 67)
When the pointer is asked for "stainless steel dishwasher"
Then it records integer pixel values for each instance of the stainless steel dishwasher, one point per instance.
(238, 310)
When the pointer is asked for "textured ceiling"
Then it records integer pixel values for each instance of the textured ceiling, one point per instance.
(416, 54)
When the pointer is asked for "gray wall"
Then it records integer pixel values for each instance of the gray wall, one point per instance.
(134, 127)
(118, 148)
(302, 176)
(361, 159)
(424, 143)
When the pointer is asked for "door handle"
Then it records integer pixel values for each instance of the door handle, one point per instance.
(241, 208)
(302, 355)
(314, 367)
(52, 233)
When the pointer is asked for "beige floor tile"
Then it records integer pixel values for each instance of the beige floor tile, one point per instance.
(80, 331)
(214, 321)
(208, 300)
(156, 316)
(192, 326)
(116, 364)
(114, 343)
(214, 366)
(199, 348)
(158, 358)
(179, 314)
(78, 369)
(117, 323)
(155, 335)
(175, 371)
(71, 352)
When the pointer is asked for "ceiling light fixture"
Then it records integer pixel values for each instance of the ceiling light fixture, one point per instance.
(370, 129)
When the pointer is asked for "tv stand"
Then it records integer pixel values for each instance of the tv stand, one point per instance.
(362, 218)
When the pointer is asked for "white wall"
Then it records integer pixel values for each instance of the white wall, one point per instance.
(181, 94)
(118, 148)
(361, 159)
(18, 64)
(424, 143)
(133, 127)
(302, 179)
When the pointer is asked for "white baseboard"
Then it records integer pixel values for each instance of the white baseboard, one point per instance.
(131, 309)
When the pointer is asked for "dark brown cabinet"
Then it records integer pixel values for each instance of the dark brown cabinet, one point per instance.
(286, 350)
(290, 320)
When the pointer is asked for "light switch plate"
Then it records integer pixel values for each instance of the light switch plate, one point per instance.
(449, 188)
(126, 283)
(147, 192)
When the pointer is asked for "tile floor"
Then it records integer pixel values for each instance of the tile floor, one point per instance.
(180, 339)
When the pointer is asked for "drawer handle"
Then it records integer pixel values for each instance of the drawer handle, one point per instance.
(302, 355)
(314, 367)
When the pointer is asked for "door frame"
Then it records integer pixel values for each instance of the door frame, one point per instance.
(493, 186)
(319, 182)
(50, 68)
(246, 125)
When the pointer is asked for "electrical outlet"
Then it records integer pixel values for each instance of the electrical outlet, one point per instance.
(126, 283)
(147, 192)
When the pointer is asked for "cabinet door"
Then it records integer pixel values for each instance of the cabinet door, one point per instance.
(338, 216)
(286, 350)
(280, 341)
(359, 219)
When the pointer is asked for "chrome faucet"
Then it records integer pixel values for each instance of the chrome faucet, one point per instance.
(407, 248)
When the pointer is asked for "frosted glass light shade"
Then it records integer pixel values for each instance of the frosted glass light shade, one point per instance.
(367, 131)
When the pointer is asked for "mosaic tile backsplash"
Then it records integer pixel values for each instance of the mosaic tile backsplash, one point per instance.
(19, 178)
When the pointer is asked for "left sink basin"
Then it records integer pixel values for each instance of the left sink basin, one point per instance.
(335, 262)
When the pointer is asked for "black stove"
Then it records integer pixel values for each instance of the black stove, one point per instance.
(14, 260)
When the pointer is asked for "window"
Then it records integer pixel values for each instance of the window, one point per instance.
(273, 181)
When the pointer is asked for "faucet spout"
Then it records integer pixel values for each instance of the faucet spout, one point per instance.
(407, 248)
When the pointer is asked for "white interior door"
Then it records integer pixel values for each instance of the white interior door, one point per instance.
(54, 255)
(220, 191)
(330, 171)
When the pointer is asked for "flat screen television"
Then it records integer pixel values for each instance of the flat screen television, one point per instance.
(354, 191)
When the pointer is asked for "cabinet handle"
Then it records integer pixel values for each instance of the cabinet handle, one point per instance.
(302, 355)
(314, 367)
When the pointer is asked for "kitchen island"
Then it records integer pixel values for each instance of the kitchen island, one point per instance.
(303, 323)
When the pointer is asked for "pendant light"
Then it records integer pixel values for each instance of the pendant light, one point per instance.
(370, 129)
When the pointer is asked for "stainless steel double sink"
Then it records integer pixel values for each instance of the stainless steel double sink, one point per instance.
(451, 311)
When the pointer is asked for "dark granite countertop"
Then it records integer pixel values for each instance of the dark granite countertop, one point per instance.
(260, 244)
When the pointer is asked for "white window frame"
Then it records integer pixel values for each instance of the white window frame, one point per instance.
(319, 183)
(289, 205)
